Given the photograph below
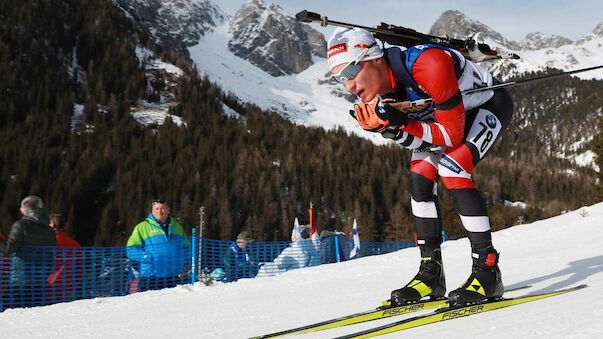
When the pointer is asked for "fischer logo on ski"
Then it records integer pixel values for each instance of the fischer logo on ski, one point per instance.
(456, 313)
(403, 309)
(384, 311)
(448, 313)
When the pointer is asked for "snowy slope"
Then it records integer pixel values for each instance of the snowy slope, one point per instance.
(582, 54)
(586, 52)
(299, 96)
(555, 253)
(570, 57)
(537, 50)
(307, 98)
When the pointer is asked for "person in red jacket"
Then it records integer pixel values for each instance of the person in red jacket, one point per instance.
(449, 137)
(57, 223)
(4, 267)
(68, 269)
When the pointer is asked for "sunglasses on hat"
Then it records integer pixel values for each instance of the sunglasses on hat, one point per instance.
(351, 70)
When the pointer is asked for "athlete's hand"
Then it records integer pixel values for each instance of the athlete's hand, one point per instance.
(377, 115)
(367, 117)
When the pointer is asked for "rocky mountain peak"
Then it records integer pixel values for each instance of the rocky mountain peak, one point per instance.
(175, 22)
(457, 25)
(597, 33)
(272, 40)
(538, 40)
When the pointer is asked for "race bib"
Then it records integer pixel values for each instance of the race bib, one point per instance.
(484, 131)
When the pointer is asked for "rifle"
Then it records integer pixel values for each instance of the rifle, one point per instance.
(471, 48)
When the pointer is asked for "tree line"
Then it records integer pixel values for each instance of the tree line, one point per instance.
(256, 172)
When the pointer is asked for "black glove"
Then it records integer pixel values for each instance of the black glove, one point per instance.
(392, 133)
(397, 119)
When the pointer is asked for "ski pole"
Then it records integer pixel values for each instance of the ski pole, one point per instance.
(422, 102)
(521, 82)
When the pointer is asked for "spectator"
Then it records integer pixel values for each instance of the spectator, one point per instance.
(68, 263)
(328, 247)
(29, 266)
(160, 246)
(57, 223)
(4, 265)
(238, 261)
(301, 253)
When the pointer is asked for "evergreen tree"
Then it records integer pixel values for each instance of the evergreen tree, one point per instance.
(597, 147)
(257, 172)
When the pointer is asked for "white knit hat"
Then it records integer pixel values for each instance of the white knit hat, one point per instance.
(346, 44)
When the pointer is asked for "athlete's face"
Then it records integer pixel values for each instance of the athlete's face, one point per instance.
(372, 80)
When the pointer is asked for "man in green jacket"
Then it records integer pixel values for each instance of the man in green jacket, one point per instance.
(33, 243)
(161, 247)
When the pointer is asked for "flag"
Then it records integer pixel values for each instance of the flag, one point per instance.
(54, 276)
(296, 231)
(313, 233)
(356, 250)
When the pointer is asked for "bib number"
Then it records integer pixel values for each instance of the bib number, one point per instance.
(484, 131)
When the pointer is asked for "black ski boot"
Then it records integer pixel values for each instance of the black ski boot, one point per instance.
(429, 282)
(483, 284)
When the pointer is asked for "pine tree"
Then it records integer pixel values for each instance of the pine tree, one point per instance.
(597, 147)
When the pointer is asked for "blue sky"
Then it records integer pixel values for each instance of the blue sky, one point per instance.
(513, 19)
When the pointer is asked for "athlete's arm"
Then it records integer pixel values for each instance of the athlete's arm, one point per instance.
(434, 73)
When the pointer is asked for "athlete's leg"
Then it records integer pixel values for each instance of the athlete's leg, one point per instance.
(484, 127)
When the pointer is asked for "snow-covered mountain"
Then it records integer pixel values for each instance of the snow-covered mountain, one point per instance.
(263, 56)
(538, 40)
(549, 254)
(457, 25)
(538, 51)
(175, 22)
(596, 34)
(305, 98)
(272, 40)
(308, 97)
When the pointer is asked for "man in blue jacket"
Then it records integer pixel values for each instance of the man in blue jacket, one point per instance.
(160, 246)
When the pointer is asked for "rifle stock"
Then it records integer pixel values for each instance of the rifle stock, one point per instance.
(403, 36)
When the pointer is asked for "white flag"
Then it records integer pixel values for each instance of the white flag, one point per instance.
(313, 230)
(356, 250)
(296, 231)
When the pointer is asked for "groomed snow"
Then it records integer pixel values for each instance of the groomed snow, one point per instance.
(549, 254)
